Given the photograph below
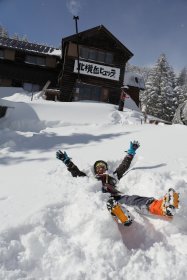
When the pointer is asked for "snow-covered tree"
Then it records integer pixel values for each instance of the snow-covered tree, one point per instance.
(181, 88)
(15, 37)
(24, 38)
(182, 77)
(143, 71)
(3, 32)
(159, 95)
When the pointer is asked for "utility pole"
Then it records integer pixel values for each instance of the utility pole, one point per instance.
(76, 18)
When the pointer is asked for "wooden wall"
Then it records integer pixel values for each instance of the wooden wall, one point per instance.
(15, 68)
(100, 41)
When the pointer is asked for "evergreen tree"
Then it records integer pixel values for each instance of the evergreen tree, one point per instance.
(143, 71)
(159, 95)
(182, 77)
(15, 37)
(24, 38)
(3, 32)
(172, 100)
(181, 88)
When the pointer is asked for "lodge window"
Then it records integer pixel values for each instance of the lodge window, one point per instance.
(38, 60)
(92, 54)
(31, 87)
(96, 55)
(1, 54)
(101, 56)
(109, 58)
(88, 92)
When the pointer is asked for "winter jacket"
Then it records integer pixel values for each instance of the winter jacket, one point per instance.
(108, 182)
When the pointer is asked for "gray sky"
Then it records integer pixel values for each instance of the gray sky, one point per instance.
(146, 27)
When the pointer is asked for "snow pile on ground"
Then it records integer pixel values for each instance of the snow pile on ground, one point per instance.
(54, 226)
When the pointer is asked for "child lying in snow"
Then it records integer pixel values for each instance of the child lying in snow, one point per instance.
(145, 205)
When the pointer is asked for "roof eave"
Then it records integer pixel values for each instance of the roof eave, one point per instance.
(74, 36)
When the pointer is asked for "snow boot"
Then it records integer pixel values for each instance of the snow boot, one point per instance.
(166, 206)
(119, 213)
(170, 202)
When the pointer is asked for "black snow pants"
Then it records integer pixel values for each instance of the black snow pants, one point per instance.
(140, 203)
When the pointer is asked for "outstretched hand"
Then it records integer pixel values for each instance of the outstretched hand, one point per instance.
(133, 147)
(59, 155)
(62, 156)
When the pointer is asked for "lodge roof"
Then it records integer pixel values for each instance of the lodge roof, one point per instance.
(96, 29)
(27, 46)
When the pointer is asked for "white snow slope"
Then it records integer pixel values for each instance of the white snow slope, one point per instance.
(56, 227)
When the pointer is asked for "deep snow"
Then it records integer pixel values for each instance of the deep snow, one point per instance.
(53, 226)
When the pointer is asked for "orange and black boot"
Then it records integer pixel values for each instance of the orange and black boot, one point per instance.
(167, 205)
(120, 213)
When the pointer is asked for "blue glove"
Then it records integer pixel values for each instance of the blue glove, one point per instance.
(63, 157)
(133, 147)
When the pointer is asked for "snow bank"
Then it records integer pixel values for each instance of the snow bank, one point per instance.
(56, 227)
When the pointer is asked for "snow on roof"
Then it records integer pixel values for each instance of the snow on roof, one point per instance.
(56, 52)
(27, 46)
(134, 80)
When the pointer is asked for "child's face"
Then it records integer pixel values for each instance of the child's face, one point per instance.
(100, 169)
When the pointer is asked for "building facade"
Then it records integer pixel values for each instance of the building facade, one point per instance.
(101, 58)
(28, 65)
(89, 66)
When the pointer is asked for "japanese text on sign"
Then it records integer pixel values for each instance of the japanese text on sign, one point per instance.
(93, 69)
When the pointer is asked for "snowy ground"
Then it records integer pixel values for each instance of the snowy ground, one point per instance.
(55, 227)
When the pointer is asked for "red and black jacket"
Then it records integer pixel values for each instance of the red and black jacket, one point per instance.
(108, 182)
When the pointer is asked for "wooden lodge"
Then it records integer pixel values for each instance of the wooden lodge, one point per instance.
(102, 59)
(28, 65)
(101, 73)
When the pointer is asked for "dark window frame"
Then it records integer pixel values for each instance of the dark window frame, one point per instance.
(35, 60)
(100, 55)
(88, 92)
(2, 53)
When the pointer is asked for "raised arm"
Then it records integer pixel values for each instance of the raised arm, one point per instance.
(125, 164)
(72, 168)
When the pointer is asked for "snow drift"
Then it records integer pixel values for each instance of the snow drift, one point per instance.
(57, 227)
